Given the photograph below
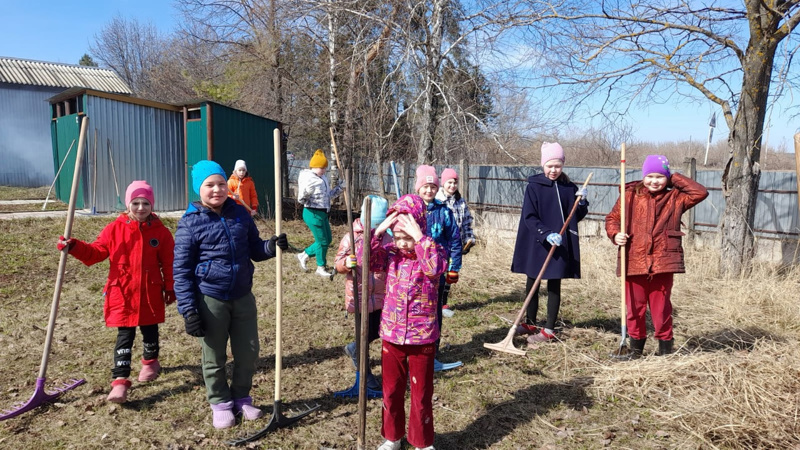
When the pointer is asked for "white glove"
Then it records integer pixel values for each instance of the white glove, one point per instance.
(554, 239)
(581, 192)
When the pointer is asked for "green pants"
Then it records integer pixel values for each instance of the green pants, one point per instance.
(237, 319)
(317, 221)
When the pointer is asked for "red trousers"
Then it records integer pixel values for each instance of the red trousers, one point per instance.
(398, 363)
(655, 292)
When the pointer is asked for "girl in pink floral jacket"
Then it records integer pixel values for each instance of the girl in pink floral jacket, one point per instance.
(413, 263)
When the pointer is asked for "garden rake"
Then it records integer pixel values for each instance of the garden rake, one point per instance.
(623, 352)
(507, 344)
(119, 206)
(278, 419)
(40, 396)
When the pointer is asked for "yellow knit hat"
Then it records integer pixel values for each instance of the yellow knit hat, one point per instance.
(318, 161)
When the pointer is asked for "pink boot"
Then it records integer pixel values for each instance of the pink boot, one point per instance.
(150, 369)
(244, 406)
(119, 391)
(222, 415)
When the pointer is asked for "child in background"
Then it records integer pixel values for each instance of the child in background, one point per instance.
(413, 264)
(549, 198)
(214, 245)
(442, 228)
(652, 242)
(139, 282)
(345, 262)
(242, 189)
(450, 196)
(314, 192)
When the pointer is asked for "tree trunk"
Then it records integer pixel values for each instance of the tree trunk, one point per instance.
(430, 106)
(742, 171)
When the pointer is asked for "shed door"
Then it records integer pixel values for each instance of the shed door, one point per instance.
(65, 131)
(196, 144)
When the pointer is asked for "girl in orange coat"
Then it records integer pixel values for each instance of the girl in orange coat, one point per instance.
(139, 282)
(652, 242)
(242, 189)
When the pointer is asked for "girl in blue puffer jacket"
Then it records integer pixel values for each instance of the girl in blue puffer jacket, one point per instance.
(214, 245)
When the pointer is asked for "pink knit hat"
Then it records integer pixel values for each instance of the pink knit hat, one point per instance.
(138, 189)
(426, 175)
(550, 151)
(448, 174)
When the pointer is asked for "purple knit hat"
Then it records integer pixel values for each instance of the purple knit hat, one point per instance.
(655, 164)
(413, 205)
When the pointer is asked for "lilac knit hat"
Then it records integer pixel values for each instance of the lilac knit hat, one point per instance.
(411, 204)
(655, 164)
(137, 189)
(550, 151)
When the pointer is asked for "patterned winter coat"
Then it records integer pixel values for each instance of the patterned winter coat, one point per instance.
(213, 254)
(315, 191)
(443, 229)
(412, 282)
(546, 205)
(140, 269)
(377, 284)
(246, 190)
(653, 223)
(460, 210)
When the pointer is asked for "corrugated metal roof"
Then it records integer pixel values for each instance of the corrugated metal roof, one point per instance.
(39, 73)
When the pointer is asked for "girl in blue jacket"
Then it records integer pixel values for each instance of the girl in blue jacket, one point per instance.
(549, 198)
(214, 245)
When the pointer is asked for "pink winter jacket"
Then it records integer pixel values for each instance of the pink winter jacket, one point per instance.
(412, 284)
(377, 284)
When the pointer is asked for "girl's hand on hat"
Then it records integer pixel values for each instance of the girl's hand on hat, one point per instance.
(621, 238)
(386, 224)
(407, 224)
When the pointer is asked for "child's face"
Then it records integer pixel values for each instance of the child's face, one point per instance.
(240, 172)
(403, 241)
(320, 171)
(214, 191)
(451, 186)
(428, 192)
(140, 209)
(655, 182)
(553, 168)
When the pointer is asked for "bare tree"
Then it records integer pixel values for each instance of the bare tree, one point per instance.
(624, 52)
(130, 48)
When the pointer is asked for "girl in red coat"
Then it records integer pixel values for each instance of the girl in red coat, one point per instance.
(652, 242)
(139, 282)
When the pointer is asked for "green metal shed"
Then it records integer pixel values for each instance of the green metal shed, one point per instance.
(224, 135)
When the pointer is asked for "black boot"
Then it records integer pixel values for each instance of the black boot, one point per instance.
(665, 347)
(637, 347)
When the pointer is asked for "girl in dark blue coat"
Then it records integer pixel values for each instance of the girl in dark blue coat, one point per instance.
(549, 198)
(214, 245)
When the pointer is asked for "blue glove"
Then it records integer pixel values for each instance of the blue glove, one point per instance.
(554, 239)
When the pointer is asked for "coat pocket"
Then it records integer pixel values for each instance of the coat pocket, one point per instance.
(674, 240)
(212, 272)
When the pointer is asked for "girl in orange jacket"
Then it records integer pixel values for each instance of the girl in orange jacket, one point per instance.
(652, 242)
(140, 283)
(242, 189)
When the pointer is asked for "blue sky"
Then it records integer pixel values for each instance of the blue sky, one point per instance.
(60, 31)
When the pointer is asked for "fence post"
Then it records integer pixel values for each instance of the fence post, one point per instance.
(690, 170)
(463, 172)
(404, 169)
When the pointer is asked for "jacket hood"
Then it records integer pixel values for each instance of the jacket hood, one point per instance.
(413, 205)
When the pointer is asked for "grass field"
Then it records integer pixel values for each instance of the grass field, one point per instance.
(732, 384)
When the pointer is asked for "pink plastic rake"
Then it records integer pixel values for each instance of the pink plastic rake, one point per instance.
(40, 396)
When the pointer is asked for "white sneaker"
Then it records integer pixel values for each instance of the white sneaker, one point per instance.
(430, 447)
(322, 272)
(303, 257)
(447, 312)
(390, 445)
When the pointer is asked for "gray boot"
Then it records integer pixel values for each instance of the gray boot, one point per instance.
(350, 350)
(665, 347)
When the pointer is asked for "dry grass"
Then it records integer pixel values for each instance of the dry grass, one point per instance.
(733, 383)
